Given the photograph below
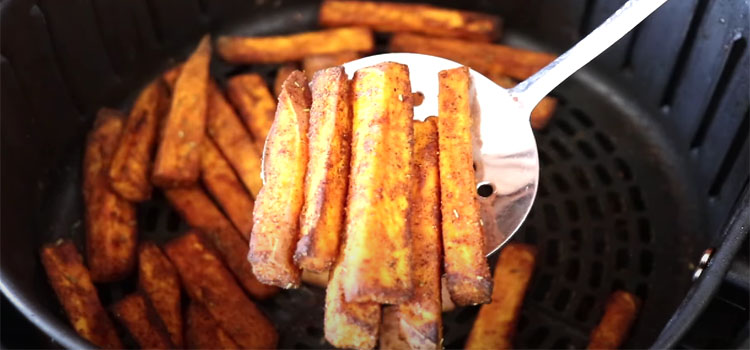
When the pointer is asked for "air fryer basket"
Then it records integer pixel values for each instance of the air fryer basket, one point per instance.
(641, 165)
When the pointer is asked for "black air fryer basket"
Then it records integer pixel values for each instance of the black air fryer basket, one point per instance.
(643, 167)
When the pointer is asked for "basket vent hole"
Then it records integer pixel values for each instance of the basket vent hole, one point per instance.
(642, 291)
(560, 183)
(637, 198)
(151, 219)
(553, 254)
(542, 190)
(595, 278)
(586, 149)
(314, 332)
(541, 289)
(572, 210)
(485, 189)
(561, 343)
(581, 117)
(618, 284)
(565, 127)
(615, 202)
(622, 259)
(646, 262)
(644, 230)
(623, 170)
(523, 321)
(551, 218)
(621, 230)
(576, 239)
(604, 142)
(537, 337)
(531, 234)
(173, 221)
(599, 246)
(580, 177)
(603, 175)
(584, 308)
(571, 271)
(560, 149)
(562, 299)
(544, 159)
(595, 208)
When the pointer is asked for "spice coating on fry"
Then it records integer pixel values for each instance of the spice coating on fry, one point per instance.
(158, 280)
(141, 322)
(619, 315)
(250, 95)
(203, 332)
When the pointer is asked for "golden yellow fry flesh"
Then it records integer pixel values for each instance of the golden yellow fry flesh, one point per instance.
(421, 316)
(72, 284)
(111, 226)
(279, 204)
(415, 18)
(466, 269)
(142, 322)
(177, 159)
(203, 332)
(281, 74)
(294, 47)
(250, 95)
(390, 330)
(226, 188)
(495, 325)
(619, 315)
(377, 259)
(312, 64)
(327, 177)
(130, 171)
(158, 280)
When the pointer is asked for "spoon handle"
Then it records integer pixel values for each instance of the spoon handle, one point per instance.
(533, 89)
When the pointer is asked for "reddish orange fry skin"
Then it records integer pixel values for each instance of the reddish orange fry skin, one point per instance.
(286, 48)
(226, 188)
(421, 316)
(250, 95)
(141, 322)
(416, 18)
(72, 284)
(201, 213)
(312, 64)
(111, 235)
(466, 269)
(327, 177)
(495, 325)
(158, 280)
(379, 189)
(131, 163)
(281, 76)
(485, 58)
(170, 76)
(203, 332)
(178, 160)
(278, 206)
(207, 281)
(619, 315)
(226, 130)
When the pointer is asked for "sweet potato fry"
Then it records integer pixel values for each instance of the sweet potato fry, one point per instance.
(327, 177)
(421, 316)
(225, 128)
(201, 213)
(203, 332)
(177, 160)
(445, 296)
(495, 326)
(415, 18)
(110, 220)
(208, 282)
(317, 279)
(250, 95)
(484, 58)
(281, 76)
(349, 325)
(619, 315)
(158, 280)
(142, 323)
(379, 189)
(226, 188)
(541, 114)
(466, 269)
(312, 64)
(285, 48)
(170, 76)
(72, 284)
(390, 330)
(131, 163)
(278, 206)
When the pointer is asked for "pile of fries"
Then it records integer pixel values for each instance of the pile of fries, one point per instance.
(352, 194)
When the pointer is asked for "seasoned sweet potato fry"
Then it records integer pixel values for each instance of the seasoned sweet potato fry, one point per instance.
(177, 160)
(619, 315)
(110, 220)
(281, 76)
(390, 330)
(349, 325)
(158, 280)
(312, 64)
(467, 273)
(318, 279)
(278, 206)
(294, 47)
(379, 189)
(130, 171)
(226, 188)
(415, 18)
(225, 128)
(201, 213)
(541, 114)
(208, 282)
(484, 58)
(170, 75)
(203, 332)
(495, 326)
(421, 316)
(142, 323)
(327, 177)
(72, 284)
(250, 95)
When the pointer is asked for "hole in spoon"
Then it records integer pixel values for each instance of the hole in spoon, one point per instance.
(417, 98)
(485, 189)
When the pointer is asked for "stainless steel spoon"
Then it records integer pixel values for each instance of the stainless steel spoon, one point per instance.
(508, 167)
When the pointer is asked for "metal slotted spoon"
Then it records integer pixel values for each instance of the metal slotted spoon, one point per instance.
(507, 166)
